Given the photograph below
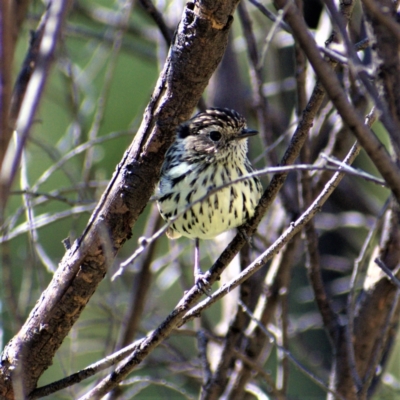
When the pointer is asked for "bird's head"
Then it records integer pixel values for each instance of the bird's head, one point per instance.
(215, 133)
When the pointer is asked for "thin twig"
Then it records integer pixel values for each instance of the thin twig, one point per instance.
(269, 14)
(85, 373)
(6, 57)
(260, 102)
(380, 344)
(202, 341)
(289, 355)
(351, 298)
(158, 19)
(387, 271)
(125, 11)
(56, 15)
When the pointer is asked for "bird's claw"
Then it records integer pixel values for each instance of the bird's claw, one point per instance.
(202, 283)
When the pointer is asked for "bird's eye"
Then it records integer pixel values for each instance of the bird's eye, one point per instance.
(215, 136)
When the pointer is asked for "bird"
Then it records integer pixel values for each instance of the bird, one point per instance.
(210, 151)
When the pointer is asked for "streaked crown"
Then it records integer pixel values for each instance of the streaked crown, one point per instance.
(215, 132)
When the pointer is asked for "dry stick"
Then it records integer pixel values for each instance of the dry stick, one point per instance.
(273, 339)
(6, 57)
(388, 272)
(278, 293)
(277, 278)
(56, 15)
(264, 10)
(126, 9)
(46, 219)
(141, 382)
(371, 117)
(89, 371)
(313, 267)
(276, 283)
(381, 344)
(351, 298)
(371, 317)
(342, 58)
(365, 136)
(14, 12)
(167, 35)
(385, 64)
(202, 342)
(256, 79)
(12, 107)
(283, 367)
(74, 152)
(218, 381)
(301, 95)
(251, 364)
(329, 317)
(141, 284)
(158, 19)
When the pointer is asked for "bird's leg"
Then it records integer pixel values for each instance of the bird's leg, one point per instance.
(197, 269)
(200, 279)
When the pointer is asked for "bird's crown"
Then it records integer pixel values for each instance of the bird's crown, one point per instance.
(214, 122)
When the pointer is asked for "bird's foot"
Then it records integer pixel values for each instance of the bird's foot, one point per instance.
(202, 283)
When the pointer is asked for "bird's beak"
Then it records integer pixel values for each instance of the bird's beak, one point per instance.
(245, 133)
